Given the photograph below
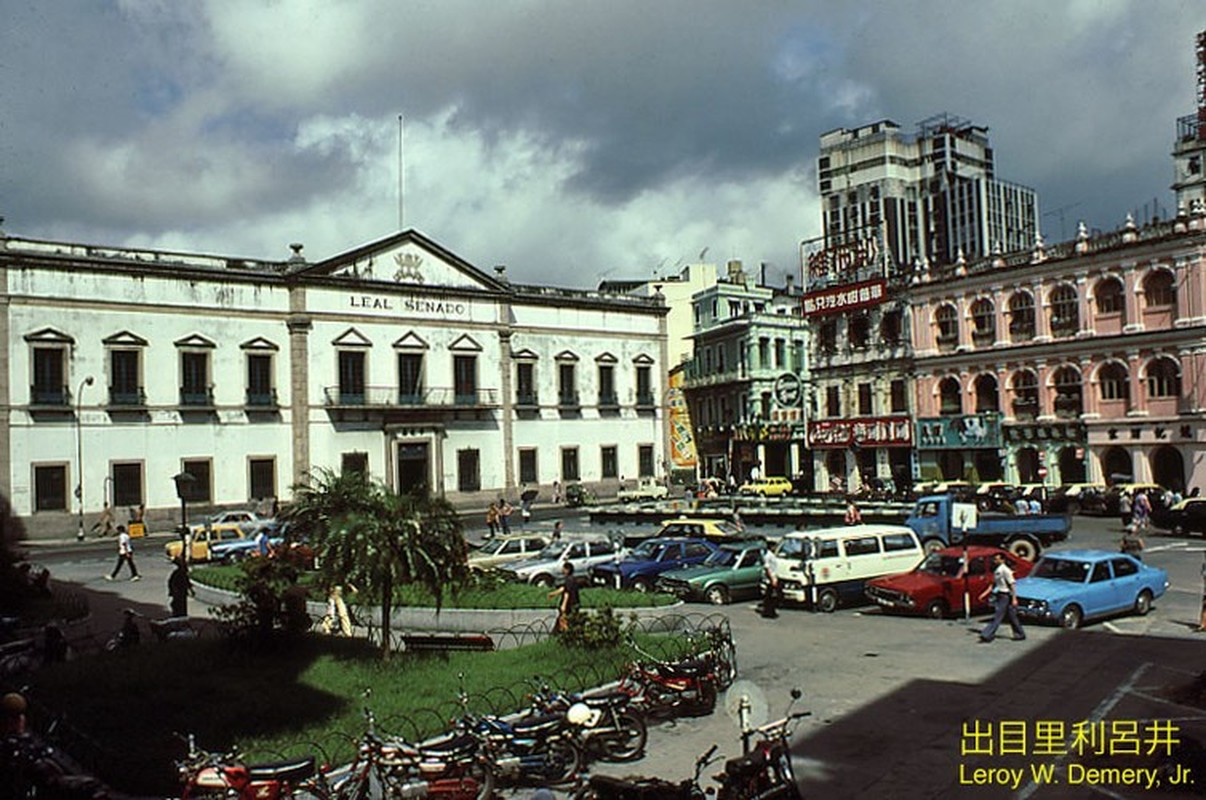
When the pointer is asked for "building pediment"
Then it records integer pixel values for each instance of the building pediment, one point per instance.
(124, 339)
(196, 340)
(260, 344)
(407, 259)
(352, 338)
(49, 336)
(410, 341)
(465, 344)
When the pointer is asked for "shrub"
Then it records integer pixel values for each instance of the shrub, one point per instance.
(596, 630)
(272, 603)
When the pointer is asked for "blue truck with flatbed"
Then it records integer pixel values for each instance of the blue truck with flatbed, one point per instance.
(940, 520)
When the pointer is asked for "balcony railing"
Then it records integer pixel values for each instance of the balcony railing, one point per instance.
(127, 396)
(261, 398)
(526, 399)
(49, 396)
(197, 397)
(609, 401)
(568, 400)
(386, 397)
(645, 400)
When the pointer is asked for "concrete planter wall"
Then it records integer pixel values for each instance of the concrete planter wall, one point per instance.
(458, 620)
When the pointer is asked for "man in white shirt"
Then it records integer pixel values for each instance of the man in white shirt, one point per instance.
(125, 555)
(1004, 601)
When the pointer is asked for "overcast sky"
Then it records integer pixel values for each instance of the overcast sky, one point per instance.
(572, 141)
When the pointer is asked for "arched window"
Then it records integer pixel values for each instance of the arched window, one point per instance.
(1021, 317)
(1158, 289)
(859, 331)
(987, 396)
(947, 321)
(1065, 311)
(984, 322)
(1108, 295)
(1163, 378)
(1068, 400)
(1114, 382)
(1025, 394)
(950, 397)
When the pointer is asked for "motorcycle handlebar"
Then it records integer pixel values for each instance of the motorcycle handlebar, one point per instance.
(780, 724)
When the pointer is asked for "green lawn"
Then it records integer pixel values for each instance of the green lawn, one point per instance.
(301, 698)
(479, 593)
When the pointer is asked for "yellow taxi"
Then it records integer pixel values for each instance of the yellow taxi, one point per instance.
(699, 528)
(766, 487)
(201, 541)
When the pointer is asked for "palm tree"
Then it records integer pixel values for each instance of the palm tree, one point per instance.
(370, 537)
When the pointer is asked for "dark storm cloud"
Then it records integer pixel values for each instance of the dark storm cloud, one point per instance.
(640, 131)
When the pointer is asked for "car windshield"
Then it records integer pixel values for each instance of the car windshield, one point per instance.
(1061, 569)
(944, 565)
(791, 547)
(553, 551)
(646, 549)
(727, 529)
(722, 558)
(492, 548)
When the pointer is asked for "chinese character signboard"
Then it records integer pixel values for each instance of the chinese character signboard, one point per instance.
(959, 433)
(845, 298)
(863, 431)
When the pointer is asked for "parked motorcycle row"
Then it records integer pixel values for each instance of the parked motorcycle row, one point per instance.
(548, 745)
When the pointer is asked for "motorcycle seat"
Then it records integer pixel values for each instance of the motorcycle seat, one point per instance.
(450, 747)
(533, 725)
(692, 668)
(616, 698)
(295, 770)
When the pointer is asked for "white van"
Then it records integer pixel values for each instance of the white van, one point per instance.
(822, 566)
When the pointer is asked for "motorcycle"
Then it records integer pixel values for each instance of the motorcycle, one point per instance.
(606, 787)
(671, 687)
(451, 768)
(536, 750)
(224, 775)
(604, 726)
(764, 771)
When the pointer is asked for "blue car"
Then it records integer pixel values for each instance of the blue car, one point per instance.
(641, 566)
(1071, 586)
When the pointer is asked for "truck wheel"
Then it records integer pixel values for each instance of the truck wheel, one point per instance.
(1024, 547)
(932, 545)
(827, 601)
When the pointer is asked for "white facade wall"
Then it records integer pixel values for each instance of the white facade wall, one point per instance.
(403, 294)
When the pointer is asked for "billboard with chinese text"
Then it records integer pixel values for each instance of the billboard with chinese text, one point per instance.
(863, 431)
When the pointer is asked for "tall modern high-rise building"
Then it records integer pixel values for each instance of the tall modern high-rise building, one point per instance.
(932, 194)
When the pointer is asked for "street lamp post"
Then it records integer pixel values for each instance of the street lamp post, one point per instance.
(79, 454)
(184, 483)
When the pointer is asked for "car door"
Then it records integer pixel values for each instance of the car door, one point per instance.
(747, 574)
(1127, 583)
(1195, 517)
(979, 577)
(1100, 594)
(670, 557)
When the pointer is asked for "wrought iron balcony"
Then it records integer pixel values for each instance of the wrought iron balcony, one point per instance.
(609, 401)
(197, 397)
(262, 398)
(527, 400)
(567, 400)
(53, 396)
(391, 397)
(645, 400)
(127, 396)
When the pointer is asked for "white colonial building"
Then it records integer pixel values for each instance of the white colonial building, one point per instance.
(127, 367)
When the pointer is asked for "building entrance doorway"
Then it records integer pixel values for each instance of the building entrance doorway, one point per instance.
(414, 467)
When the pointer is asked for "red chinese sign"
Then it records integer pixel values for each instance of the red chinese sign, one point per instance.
(845, 298)
(864, 431)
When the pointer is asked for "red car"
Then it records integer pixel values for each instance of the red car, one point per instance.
(936, 586)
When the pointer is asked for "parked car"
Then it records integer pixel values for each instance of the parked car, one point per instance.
(639, 568)
(824, 566)
(718, 530)
(203, 542)
(1072, 586)
(545, 568)
(733, 572)
(246, 521)
(937, 585)
(766, 487)
(644, 489)
(1067, 499)
(1187, 516)
(1106, 504)
(502, 549)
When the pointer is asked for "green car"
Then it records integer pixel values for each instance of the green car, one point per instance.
(733, 571)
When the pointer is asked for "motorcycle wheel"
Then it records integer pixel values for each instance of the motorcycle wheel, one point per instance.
(563, 762)
(628, 741)
(705, 700)
(483, 776)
